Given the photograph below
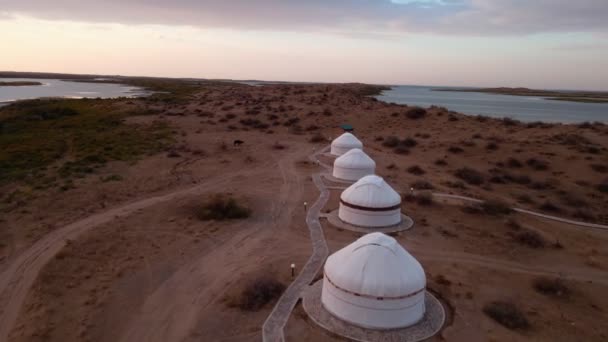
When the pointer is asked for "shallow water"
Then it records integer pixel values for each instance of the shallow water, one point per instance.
(524, 108)
(59, 88)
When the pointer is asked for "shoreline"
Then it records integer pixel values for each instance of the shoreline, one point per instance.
(570, 96)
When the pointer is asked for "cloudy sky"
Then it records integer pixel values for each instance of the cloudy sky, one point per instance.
(535, 43)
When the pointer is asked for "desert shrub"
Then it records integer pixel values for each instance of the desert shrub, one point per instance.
(379, 138)
(510, 122)
(583, 215)
(514, 163)
(416, 170)
(551, 287)
(496, 207)
(392, 166)
(507, 315)
(317, 138)
(455, 149)
(549, 206)
(470, 176)
(492, 146)
(573, 200)
(408, 142)
(391, 141)
(602, 187)
(452, 117)
(537, 164)
(221, 207)
(401, 150)
(422, 185)
(524, 198)
(278, 146)
(441, 162)
(599, 168)
(424, 199)
(327, 112)
(259, 292)
(530, 238)
(415, 113)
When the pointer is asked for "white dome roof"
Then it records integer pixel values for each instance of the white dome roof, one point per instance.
(371, 192)
(375, 265)
(347, 140)
(355, 159)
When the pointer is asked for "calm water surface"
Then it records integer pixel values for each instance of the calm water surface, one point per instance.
(524, 108)
(59, 88)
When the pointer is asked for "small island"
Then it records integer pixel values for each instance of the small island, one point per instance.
(572, 96)
(19, 84)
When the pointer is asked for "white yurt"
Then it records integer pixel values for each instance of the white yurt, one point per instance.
(344, 143)
(374, 283)
(353, 165)
(370, 202)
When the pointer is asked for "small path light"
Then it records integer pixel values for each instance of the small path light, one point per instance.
(293, 270)
(305, 206)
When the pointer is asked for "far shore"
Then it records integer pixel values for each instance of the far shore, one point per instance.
(19, 84)
(570, 96)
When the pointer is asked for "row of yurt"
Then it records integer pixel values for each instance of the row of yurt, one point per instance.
(370, 201)
(373, 283)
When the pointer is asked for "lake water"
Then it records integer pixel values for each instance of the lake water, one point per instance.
(59, 88)
(522, 108)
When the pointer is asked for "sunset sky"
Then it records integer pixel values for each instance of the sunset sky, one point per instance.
(560, 44)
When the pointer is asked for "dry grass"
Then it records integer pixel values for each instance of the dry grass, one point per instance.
(551, 287)
(258, 293)
(221, 207)
(507, 315)
(470, 176)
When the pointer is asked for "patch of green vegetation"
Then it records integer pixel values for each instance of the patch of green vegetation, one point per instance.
(73, 136)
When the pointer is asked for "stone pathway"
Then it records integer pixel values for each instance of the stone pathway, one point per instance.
(405, 224)
(272, 330)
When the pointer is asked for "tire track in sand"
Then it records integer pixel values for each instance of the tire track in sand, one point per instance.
(19, 276)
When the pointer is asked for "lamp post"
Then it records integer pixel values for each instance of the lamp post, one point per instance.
(293, 270)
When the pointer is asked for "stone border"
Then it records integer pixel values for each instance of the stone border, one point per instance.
(406, 224)
(431, 323)
(331, 178)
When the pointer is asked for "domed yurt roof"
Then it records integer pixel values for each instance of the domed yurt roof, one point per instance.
(355, 159)
(371, 192)
(347, 140)
(376, 265)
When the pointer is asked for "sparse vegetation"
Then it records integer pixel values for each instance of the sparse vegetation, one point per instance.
(470, 176)
(258, 293)
(317, 138)
(496, 207)
(221, 207)
(85, 133)
(551, 287)
(507, 314)
(530, 239)
(416, 170)
(415, 113)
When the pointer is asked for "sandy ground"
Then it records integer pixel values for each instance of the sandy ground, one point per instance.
(128, 261)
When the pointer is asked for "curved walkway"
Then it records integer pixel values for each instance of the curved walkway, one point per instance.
(529, 212)
(272, 330)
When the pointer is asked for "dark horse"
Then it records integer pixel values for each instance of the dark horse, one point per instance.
(237, 143)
